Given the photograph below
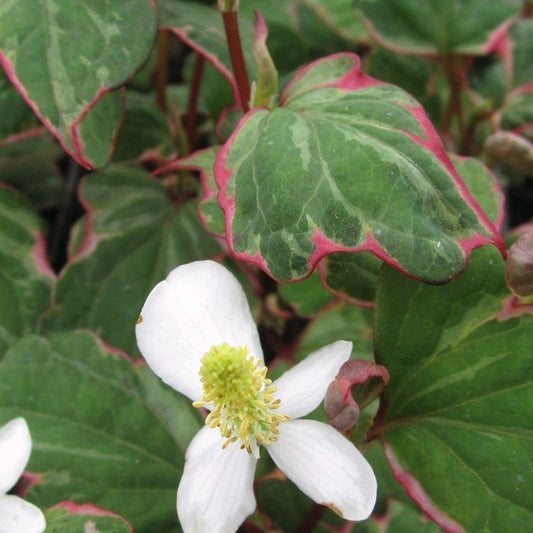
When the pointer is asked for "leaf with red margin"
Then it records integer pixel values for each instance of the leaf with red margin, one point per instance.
(432, 27)
(456, 416)
(26, 278)
(68, 516)
(202, 29)
(96, 434)
(348, 163)
(134, 236)
(211, 214)
(65, 58)
(353, 277)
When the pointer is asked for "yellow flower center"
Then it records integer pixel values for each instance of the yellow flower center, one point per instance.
(240, 397)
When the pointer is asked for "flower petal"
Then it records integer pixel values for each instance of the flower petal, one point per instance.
(20, 516)
(215, 494)
(326, 466)
(198, 306)
(303, 387)
(15, 448)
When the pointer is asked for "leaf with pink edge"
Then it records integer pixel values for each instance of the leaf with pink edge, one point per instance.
(80, 52)
(209, 210)
(348, 163)
(97, 436)
(201, 27)
(134, 236)
(68, 516)
(456, 412)
(26, 278)
(353, 277)
(434, 27)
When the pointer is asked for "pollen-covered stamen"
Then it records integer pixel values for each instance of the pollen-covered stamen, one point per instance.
(240, 397)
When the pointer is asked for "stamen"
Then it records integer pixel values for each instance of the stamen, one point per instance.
(240, 398)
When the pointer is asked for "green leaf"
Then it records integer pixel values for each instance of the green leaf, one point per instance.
(353, 277)
(79, 52)
(341, 17)
(283, 502)
(144, 134)
(399, 517)
(25, 275)
(68, 517)
(306, 297)
(208, 208)
(419, 76)
(16, 115)
(95, 436)
(457, 427)
(134, 236)
(342, 321)
(30, 165)
(347, 163)
(483, 185)
(434, 27)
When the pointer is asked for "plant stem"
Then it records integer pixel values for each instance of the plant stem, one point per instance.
(192, 104)
(453, 66)
(161, 71)
(231, 26)
(65, 215)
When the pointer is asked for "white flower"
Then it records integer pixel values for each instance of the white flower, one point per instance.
(16, 514)
(197, 334)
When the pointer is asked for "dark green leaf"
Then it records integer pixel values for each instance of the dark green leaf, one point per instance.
(25, 275)
(96, 435)
(134, 236)
(457, 428)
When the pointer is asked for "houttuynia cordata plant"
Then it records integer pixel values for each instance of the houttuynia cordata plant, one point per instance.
(266, 266)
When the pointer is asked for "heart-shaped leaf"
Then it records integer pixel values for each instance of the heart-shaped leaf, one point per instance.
(79, 51)
(434, 27)
(134, 236)
(25, 275)
(96, 436)
(456, 422)
(347, 163)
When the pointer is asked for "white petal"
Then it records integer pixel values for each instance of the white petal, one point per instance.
(215, 494)
(15, 448)
(198, 306)
(326, 466)
(20, 516)
(303, 387)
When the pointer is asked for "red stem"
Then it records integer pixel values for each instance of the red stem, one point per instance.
(161, 71)
(231, 26)
(192, 104)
